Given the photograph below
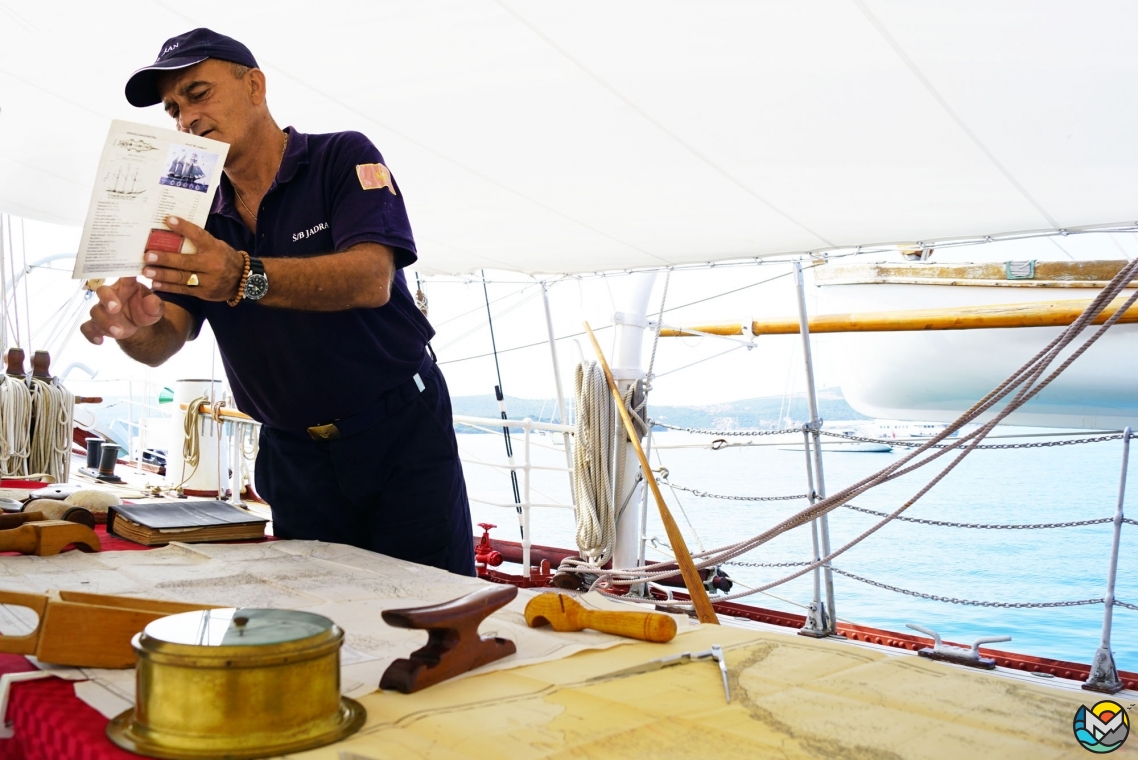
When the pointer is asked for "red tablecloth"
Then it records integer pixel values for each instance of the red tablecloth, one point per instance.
(50, 722)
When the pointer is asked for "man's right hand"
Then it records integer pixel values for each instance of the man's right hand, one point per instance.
(123, 308)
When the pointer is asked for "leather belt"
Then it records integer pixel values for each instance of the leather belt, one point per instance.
(389, 403)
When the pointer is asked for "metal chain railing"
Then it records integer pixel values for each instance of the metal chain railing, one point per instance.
(968, 602)
(1126, 605)
(918, 520)
(988, 446)
(766, 564)
(890, 441)
(728, 497)
(986, 526)
(744, 433)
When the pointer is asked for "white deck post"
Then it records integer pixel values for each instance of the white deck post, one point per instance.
(557, 384)
(630, 324)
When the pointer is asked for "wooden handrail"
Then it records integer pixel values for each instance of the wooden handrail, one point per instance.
(225, 414)
(1037, 314)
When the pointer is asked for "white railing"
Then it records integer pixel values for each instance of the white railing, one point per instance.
(524, 468)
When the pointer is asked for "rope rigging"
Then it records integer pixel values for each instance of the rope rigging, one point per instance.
(1023, 385)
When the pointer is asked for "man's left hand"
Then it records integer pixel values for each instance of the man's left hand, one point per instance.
(216, 265)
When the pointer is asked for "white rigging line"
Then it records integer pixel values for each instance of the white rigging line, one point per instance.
(703, 157)
(10, 304)
(700, 361)
(27, 300)
(935, 94)
(486, 322)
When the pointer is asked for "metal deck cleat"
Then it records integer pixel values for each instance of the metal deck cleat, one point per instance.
(959, 655)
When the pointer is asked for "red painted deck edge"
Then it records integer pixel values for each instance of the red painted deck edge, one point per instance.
(511, 551)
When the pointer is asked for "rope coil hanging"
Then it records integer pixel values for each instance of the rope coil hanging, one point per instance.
(53, 418)
(595, 435)
(15, 425)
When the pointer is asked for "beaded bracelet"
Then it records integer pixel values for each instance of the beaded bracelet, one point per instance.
(241, 283)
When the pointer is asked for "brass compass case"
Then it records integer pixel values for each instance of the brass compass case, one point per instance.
(236, 683)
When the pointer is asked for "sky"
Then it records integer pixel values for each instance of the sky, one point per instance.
(689, 371)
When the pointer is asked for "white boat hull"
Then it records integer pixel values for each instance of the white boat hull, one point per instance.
(937, 375)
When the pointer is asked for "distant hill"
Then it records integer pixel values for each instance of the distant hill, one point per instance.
(748, 413)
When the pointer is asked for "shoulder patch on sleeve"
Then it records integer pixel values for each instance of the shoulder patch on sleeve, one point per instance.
(375, 176)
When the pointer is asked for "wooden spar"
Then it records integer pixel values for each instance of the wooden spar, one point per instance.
(703, 609)
(1038, 314)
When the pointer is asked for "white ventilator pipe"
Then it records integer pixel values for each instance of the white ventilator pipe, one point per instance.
(202, 480)
(631, 323)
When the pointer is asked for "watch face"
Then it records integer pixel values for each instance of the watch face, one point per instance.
(256, 287)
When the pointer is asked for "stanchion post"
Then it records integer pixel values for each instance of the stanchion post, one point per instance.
(814, 429)
(1104, 674)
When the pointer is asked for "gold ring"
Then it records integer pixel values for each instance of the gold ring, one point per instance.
(193, 280)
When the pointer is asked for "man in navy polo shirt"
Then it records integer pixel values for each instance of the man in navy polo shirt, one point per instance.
(299, 273)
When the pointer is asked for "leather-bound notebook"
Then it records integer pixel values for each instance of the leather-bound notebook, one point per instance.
(160, 523)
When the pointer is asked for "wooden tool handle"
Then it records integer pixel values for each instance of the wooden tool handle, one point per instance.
(567, 614)
(17, 519)
(21, 539)
(643, 626)
(48, 537)
(37, 603)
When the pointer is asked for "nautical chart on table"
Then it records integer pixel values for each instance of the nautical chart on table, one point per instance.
(146, 174)
(348, 585)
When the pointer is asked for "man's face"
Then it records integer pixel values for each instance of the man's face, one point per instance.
(209, 101)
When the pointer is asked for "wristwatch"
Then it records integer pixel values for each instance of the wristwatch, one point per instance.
(256, 284)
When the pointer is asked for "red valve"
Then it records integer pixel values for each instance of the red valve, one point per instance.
(485, 554)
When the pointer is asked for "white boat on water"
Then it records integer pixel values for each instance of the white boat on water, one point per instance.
(937, 375)
(634, 142)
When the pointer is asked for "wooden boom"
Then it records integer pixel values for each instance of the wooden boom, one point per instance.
(1037, 314)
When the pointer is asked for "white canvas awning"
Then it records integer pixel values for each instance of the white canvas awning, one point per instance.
(586, 135)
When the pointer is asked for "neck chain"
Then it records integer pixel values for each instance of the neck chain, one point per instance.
(242, 200)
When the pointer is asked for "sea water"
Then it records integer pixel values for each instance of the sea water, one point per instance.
(1037, 485)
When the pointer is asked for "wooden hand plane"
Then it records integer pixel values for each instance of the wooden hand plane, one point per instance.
(86, 630)
(48, 537)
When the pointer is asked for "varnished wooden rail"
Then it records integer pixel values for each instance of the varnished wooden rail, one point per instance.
(1037, 314)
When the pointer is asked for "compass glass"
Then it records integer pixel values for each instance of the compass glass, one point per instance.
(237, 627)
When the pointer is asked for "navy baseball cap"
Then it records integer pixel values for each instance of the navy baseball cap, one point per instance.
(181, 52)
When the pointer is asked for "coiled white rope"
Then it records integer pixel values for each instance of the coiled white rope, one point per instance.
(15, 425)
(191, 441)
(52, 422)
(594, 474)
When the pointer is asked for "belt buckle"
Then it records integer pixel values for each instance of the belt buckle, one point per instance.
(327, 432)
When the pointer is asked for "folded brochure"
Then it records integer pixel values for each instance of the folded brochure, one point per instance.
(146, 174)
(185, 521)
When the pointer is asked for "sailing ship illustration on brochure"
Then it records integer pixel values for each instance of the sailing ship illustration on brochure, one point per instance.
(189, 169)
(124, 182)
